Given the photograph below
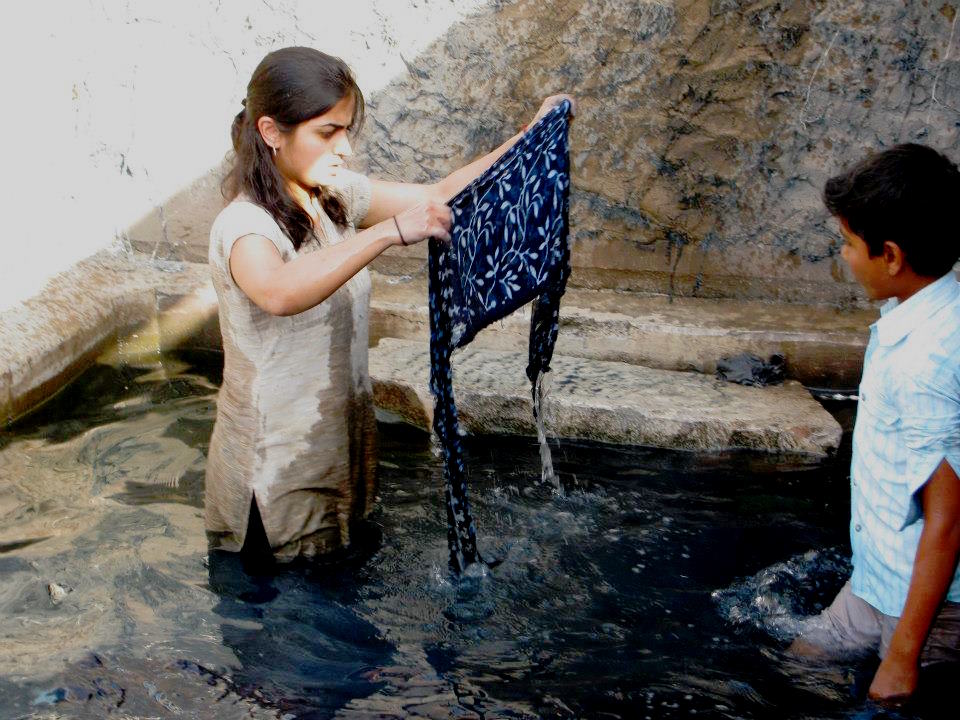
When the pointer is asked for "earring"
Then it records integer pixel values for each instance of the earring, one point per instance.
(274, 148)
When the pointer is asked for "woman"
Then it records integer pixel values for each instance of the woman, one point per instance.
(293, 444)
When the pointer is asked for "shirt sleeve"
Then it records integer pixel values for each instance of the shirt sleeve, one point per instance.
(931, 432)
(245, 218)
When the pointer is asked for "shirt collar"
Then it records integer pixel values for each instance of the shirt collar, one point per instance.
(898, 319)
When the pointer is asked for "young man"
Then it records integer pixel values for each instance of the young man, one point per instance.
(897, 215)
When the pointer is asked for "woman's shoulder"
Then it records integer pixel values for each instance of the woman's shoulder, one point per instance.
(241, 217)
(242, 210)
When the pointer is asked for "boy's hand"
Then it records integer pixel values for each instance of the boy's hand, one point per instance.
(895, 680)
(933, 569)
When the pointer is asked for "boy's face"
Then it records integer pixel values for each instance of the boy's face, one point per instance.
(871, 272)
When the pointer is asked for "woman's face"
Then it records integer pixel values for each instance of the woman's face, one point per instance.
(313, 152)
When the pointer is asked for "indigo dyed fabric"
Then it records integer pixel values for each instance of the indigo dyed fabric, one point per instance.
(509, 246)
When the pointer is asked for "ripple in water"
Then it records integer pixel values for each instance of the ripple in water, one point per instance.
(780, 597)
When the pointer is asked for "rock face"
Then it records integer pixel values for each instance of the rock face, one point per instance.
(133, 166)
(705, 129)
(605, 401)
(823, 345)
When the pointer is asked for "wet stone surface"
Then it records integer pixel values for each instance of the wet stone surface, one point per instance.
(606, 401)
(657, 584)
(127, 306)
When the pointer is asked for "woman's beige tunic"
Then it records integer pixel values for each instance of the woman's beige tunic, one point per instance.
(295, 427)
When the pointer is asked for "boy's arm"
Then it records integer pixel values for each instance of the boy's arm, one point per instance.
(933, 569)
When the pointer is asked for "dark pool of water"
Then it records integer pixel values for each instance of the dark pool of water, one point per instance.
(658, 585)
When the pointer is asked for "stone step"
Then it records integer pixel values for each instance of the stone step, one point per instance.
(115, 308)
(823, 345)
(606, 401)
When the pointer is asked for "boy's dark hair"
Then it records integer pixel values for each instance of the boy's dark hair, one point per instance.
(907, 195)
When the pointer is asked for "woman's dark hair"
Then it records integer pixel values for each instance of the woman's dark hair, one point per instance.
(905, 195)
(291, 86)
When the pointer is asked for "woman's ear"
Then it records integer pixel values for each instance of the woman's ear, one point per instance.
(269, 131)
(894, 258)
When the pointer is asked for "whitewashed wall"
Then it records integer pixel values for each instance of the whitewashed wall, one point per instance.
(113, 107)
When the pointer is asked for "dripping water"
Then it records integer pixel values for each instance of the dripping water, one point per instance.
(546, 459)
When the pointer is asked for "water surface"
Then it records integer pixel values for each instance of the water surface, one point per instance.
(656, 585)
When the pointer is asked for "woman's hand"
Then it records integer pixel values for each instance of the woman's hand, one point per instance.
(426, 220)
(550, 103)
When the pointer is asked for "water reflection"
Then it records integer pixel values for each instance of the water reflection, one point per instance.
(300, 645)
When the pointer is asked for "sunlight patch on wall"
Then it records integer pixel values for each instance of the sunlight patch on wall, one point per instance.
(118, 106)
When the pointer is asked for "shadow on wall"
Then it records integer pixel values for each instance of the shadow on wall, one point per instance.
(705, 130)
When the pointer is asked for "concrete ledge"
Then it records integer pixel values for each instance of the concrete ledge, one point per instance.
(125, 308)
(823, 345)
(607, 401)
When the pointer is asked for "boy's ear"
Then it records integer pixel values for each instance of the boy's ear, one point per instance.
(894, 257)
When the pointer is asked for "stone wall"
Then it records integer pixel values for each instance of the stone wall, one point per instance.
(706, 127)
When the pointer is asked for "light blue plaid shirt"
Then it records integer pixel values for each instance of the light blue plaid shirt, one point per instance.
(908, 421)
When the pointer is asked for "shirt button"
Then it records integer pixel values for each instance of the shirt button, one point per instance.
(857, 527)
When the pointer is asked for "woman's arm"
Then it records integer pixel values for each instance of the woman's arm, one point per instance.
(288, 288)
(459, 179)
(390, 198)
(933, 569)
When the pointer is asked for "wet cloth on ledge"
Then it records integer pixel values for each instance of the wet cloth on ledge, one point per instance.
(748, 369)
(509, 246)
